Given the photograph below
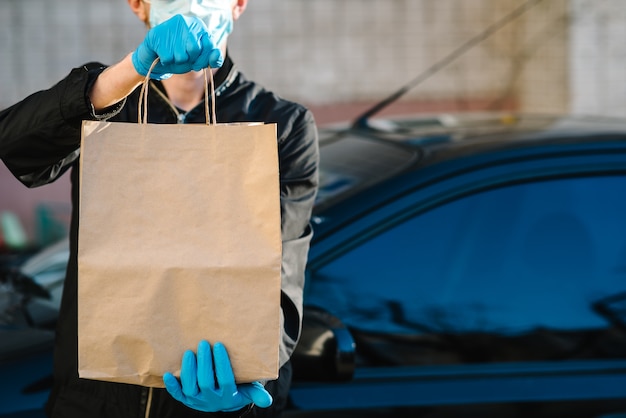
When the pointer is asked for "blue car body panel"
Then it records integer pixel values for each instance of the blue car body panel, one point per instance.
(466, 384)
(25, 383)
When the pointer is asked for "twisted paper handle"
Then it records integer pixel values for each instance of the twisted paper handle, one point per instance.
(143, 97)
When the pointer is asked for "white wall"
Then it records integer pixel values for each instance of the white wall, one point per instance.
(317, 52)
(598, 57)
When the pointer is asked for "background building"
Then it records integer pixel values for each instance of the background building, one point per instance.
(341, 56)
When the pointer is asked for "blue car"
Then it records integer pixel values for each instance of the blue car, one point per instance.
(462, 265)
(468, 265)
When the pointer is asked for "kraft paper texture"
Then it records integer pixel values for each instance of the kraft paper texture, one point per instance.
(179, 241)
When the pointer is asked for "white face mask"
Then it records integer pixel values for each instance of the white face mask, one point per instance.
(217, 15)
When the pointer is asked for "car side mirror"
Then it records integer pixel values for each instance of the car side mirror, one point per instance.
(326, 350)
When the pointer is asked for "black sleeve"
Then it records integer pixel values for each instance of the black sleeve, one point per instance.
(40, 136)
(299, 159)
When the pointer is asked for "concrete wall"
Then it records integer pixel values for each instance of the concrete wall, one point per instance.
(326, 52)
(41, 40)
(317, 52)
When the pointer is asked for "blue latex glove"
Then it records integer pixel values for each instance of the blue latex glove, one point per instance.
(209, 385)
(182, 44)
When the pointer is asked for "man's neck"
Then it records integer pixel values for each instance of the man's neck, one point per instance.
(185, 91)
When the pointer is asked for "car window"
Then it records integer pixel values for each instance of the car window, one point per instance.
(507, 261)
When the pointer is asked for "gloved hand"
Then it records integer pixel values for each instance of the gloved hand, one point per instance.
(209, 385)
(181, 43)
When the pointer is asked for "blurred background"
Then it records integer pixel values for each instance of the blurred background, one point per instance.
(339, 57)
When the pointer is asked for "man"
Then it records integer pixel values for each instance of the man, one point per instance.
(39, 141)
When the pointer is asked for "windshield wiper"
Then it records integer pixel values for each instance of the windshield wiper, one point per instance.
(613, 308)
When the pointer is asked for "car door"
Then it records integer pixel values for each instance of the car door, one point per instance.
(486, 273)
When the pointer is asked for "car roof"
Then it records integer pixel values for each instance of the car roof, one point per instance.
(356, 158)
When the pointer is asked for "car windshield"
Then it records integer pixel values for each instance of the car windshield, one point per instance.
(349, 163)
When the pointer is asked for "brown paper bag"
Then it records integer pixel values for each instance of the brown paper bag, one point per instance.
(179, 241)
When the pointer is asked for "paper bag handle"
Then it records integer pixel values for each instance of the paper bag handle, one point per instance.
(143, 96)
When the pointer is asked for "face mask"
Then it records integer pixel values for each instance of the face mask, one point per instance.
(217, 15)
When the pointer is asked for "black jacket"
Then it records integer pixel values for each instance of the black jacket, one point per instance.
(40, 138)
